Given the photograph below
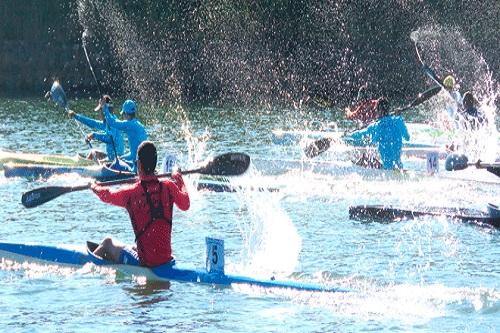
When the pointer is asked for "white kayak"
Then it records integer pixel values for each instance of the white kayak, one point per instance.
(415, 169)
(428, 134)
(426, 144)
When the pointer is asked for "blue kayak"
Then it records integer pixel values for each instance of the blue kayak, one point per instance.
(71, 255)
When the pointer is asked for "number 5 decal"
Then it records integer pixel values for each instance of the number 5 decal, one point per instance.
(215, 255)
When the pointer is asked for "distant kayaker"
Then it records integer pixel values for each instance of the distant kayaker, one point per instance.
(149, 203)
(453, 104)
(136, 133)
(364, 109)
(387, 133)
(472, 117)
(462, 111)
(112, 137)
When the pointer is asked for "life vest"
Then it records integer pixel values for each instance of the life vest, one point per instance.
(153, 247)
(365, 111)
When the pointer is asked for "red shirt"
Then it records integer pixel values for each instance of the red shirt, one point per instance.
(153, 240)
(365, 111)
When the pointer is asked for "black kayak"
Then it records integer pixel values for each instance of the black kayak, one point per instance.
(381, 213)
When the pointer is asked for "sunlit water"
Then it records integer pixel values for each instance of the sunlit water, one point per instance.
(425, 275)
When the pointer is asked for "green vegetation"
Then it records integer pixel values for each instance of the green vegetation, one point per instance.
(230, 51)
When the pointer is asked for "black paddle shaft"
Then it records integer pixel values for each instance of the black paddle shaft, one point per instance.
(228, 164)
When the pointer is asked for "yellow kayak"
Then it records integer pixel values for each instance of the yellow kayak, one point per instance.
(34, 158)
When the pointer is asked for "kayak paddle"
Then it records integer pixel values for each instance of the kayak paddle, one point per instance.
(321, 145)
(59, 97)
(428, 71)
(99, 88)
(228, 164)
(455, 162)
(84, 44)
(422, 97)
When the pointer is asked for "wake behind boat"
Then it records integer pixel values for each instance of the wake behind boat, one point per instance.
(213, 274)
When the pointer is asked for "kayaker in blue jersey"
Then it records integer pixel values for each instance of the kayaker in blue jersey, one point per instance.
(112, 137)
(136, 133)
(387, 133)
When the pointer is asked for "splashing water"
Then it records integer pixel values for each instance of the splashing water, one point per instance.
(148, 66)
(271, 243)
(446, 51)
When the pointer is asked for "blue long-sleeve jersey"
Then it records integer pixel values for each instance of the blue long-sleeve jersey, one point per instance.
(387, 133)
(136, 134)
(107, 134)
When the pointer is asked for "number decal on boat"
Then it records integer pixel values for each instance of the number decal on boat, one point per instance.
(215, 255)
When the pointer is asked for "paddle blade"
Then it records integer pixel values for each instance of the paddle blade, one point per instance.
(317, 147)
(422, 97)
(58, 95)
(42, 195)
(228, 164)
(456, 162)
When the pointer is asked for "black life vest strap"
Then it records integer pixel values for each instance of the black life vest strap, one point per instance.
(154, 212)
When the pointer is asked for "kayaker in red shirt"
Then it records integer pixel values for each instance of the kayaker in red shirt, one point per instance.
(364, 110)
(149, 203)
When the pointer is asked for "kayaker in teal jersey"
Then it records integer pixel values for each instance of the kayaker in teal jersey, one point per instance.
(136, 133)
(112, 137)
(387, 133)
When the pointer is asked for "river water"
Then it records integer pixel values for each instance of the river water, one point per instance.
(426, 275)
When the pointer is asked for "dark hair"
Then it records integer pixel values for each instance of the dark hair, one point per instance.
(468, 100)
(148, 157)
(383, 106)
(109, 101)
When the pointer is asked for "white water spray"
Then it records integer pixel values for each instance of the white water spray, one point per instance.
(446, 51)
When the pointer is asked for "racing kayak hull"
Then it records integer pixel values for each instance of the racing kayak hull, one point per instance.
(79, 256)
(381, 213)
(103, 173)
(32, 158)
(44, 171)
(331, 168)
(293, 137)
(415, 170)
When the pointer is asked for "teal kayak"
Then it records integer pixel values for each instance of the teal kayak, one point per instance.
(79, 256)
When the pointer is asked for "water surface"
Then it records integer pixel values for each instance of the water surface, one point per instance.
(425, 275)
